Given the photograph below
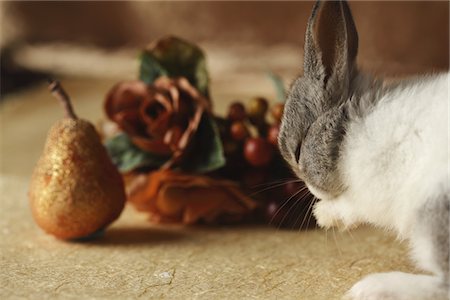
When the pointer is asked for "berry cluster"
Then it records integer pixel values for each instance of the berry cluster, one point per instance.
(249, 135)
(250, 126)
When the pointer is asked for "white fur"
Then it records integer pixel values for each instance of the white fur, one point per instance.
(393, 160)
(396, 286)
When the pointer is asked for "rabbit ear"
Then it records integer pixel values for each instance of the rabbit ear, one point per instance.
(331, 41)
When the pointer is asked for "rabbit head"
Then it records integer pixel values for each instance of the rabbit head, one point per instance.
(315, 115)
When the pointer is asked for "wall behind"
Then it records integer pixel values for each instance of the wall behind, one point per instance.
(413, 35)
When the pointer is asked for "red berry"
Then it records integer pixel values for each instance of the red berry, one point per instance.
(272, 135)
(239, 131)
(236, 112)
(258, 152)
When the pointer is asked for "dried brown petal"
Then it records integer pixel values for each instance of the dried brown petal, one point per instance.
(176, 197)
(161, 118)
(127, 95)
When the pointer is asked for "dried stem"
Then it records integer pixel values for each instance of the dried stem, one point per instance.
(57, 90)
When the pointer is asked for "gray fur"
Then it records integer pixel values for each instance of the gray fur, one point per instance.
(321, 151)
(317, 108)
(432, 229)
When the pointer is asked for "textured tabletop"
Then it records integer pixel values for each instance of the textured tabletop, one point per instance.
(136, 259)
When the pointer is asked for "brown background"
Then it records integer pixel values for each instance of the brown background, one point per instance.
(414, 35)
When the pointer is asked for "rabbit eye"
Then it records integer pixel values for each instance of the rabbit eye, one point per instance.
(297, 153)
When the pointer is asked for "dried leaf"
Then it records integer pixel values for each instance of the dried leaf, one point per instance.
(174, 57)
(127, 157)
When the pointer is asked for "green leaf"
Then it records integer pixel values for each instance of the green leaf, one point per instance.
(150, 69)
(127, 157)
(207, 154)
(175, 57)
(279, 86)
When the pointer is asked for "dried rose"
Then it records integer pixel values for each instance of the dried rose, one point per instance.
(171, 196)
(160, 118)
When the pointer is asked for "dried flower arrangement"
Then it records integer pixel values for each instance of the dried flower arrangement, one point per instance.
(184, 164)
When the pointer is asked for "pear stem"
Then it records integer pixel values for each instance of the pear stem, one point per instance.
(57, 90)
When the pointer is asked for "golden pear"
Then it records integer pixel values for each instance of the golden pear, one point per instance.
(75, 188)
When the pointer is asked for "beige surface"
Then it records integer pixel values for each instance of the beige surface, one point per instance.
(135, 259)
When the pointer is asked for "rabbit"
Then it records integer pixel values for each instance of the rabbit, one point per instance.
(372, 153)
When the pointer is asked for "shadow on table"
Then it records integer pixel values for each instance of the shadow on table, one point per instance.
(138, 236)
